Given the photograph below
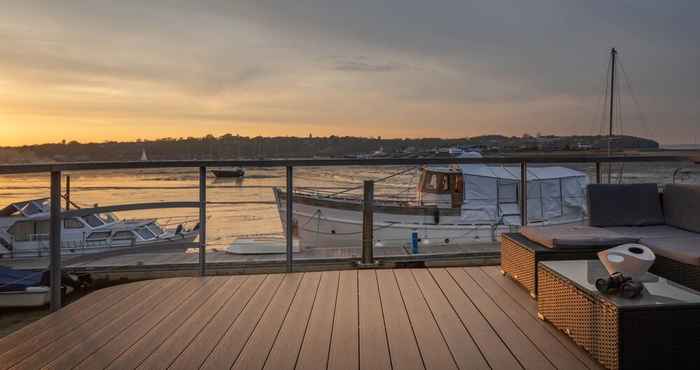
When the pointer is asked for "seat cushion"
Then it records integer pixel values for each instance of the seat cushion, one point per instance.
(624, 205)
(575, 236)
(653, 231)
(685, 250)
(682, 206)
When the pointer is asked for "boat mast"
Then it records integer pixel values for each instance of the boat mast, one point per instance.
(613, 53)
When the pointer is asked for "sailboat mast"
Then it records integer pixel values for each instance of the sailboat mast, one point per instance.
(613, 53)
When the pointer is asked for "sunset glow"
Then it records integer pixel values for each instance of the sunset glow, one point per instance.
(97, 71)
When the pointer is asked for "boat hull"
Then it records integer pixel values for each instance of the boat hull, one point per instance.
(30, 297)
(41, 247)
(338, 223)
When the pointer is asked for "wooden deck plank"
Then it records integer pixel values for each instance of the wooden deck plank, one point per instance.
(523, 299)
(544, 340)
(374, 349)
(434, 350)
(255, 352)
(465, 352)
(52, 321)
(105, 355)
(160, 359)
(229, 347)
(494, 350)
(285, 351)
(520, 345)
(344, 353)
(148, 343)
(109, 320)
(437, 318)
(317, 340)
(110, 305)
(402, 341)
(194, 355)
(93, 341)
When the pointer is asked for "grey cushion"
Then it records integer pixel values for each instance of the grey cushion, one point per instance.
(624, 205)
(574, 236)
(682, 206)
(685, 250)
(653, 231)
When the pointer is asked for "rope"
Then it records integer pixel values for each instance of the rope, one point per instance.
(642, 118)
(378, 180)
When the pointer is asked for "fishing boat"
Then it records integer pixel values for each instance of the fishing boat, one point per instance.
(24, 231)
(228, 172)
(456, 204)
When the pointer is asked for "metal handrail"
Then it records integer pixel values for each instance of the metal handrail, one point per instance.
(89, 166)
(55, 170)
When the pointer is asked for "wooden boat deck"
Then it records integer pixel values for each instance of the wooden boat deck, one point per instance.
(440, 318)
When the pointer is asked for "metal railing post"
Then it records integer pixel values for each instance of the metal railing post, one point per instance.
(202, 220)
(368, 225)
(289, 230)
(55, 241)
(67, 192)
(597, 172)
(523, 193)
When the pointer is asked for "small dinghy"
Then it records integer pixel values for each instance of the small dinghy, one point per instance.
(228, 172)
(261, 246)
(22, 288)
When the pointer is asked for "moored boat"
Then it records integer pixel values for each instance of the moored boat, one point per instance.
(24, 231)
(228, 172)
(457, 204)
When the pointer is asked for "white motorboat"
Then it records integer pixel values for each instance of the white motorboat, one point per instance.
(456, 204)
(24, 231)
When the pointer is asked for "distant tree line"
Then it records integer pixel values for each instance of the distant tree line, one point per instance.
(234, 146)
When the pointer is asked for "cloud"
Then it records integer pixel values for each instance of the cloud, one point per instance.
(443, 65)
(361, 64)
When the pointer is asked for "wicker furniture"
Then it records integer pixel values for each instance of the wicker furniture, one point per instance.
(682, 273)
(519, 258)
(659, 330)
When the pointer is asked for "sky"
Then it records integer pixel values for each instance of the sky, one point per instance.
(123, 70)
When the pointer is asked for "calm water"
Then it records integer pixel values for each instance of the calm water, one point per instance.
(240, 211)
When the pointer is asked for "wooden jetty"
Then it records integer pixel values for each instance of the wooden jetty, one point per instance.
(158, 263)
(439, 318)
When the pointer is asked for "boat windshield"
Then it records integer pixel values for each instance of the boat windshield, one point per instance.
(145, 233)
(155, 228)
(107, 217)
(93, 220)
(31, 209)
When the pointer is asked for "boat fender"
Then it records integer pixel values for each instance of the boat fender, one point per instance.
(436, 215)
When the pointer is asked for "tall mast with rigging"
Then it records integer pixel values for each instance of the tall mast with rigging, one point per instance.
(613, 53)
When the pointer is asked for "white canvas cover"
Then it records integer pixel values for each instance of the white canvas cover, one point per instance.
(491, 194)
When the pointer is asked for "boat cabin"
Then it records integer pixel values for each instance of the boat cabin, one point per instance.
(442, 187)
(492, 193)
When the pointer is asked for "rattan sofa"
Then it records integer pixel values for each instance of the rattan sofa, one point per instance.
(668, 224)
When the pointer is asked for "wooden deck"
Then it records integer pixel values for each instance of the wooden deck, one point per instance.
(441, 318)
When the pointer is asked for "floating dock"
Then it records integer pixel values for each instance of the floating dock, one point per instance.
(145, 264)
